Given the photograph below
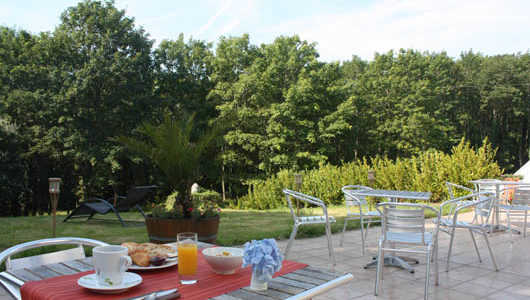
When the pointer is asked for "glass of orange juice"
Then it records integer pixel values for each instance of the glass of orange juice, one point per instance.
(187, 257)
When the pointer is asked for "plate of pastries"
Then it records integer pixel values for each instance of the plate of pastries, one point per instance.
(149, 256)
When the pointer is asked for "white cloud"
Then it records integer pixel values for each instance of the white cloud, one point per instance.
(453, 26)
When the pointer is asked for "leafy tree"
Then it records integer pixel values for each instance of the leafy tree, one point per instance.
(182, 73)
(106, 91)
(14, 175)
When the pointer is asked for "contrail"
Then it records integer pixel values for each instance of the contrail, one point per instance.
(213, 18)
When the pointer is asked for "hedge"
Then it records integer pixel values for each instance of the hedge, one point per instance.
(426, 172)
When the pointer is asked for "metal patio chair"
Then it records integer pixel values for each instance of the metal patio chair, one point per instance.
(11, 282)
(482, 203)
(364, 215)
(520, 203)
(404, 224)
(309, 220)
(91, 206)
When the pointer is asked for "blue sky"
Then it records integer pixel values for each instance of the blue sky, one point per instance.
(340, 28)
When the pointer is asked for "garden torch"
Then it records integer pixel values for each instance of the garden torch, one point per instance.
(54, 190)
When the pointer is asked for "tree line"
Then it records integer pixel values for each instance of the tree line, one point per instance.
(65, 95)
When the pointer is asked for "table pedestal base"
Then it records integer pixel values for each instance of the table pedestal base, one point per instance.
(394, 261)
(499, 227)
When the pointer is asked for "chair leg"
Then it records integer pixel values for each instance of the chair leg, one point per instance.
(379, 270)
(140, 210)
(475, 244)
(362, 232)
(90, 217)
(343, 230)
(427, 272)
(450, 248)
(291, 239)
(119, 217)
(330, 243)
(525, 218)
(366, 232)
(72, 213)
(508, 220)
(436, 280)
(491, 252)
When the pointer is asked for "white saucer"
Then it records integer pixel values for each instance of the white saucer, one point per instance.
(166, 264)
(129, 280)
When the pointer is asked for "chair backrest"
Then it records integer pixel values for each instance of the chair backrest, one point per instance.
(521, 196)
(485, 187)
(304, 198)
(135, 196)
(48, 258)
(355, 200)
(404, 218)
(485, 206)
(456, 190)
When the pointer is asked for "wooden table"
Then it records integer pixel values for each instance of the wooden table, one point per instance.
(393, 196)
(301, 284)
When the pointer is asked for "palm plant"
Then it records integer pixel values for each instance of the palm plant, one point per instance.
(172, 148)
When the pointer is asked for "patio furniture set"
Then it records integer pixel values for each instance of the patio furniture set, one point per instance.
(403, 223)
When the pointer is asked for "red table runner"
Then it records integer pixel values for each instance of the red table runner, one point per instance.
(209, 284)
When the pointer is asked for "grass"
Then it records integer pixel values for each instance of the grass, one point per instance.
(236, 227)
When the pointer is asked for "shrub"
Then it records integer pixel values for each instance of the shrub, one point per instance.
(426, 172)
(205, 204)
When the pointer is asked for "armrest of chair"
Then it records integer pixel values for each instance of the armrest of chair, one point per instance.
(47, 242)
(307, 198)
(476, 203)
(95, 200)
(463, 200)
(304, 197)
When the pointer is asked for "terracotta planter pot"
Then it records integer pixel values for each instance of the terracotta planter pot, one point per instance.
(161, 231)
(509, 195)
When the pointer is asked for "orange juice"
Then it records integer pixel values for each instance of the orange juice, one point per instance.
(187, 257)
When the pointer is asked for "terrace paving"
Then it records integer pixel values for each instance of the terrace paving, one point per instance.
(466, 279)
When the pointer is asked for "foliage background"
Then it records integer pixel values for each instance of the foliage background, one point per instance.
(426, 172)
(65, 94)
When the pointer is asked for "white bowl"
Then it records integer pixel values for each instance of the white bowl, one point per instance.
(222, 263)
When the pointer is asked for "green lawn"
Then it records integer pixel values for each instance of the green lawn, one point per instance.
(236, 227)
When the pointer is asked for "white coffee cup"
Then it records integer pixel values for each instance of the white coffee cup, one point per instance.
(110, 262)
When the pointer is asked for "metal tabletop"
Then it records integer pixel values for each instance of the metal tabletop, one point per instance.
(392, 194)
(301, 284)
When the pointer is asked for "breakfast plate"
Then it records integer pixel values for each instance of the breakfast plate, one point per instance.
(129, 280)
(168, 263)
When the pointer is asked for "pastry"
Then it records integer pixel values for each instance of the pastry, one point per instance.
(152, 250)
(140, 258)
(156, 249)
(130, 245)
